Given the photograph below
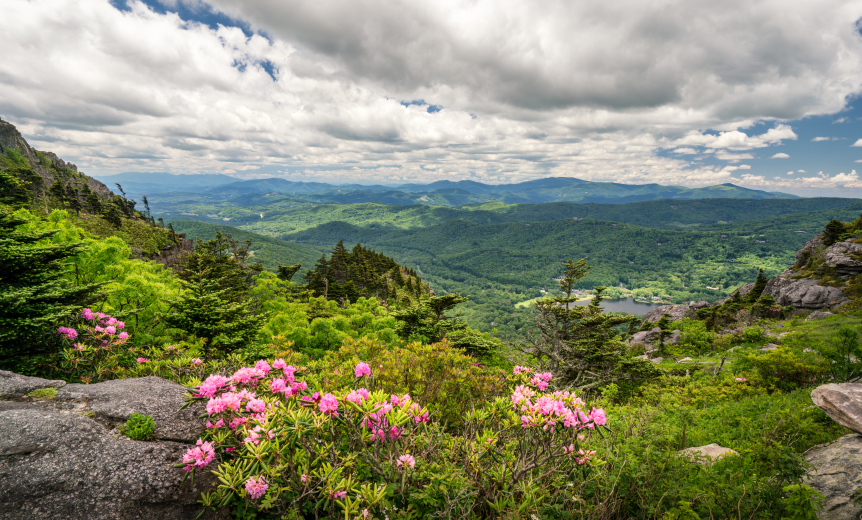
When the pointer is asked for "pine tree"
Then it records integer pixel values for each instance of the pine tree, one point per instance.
(206, 312)
(224, 261)
(34, 297)
(833, 231)
(578, 344)
(757, 290)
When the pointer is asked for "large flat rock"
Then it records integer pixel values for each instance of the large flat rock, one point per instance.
(804, 293)
(842, 402)
(56, 465)
(837, 475)
(15, 385)
(842, 257)
(114, 401)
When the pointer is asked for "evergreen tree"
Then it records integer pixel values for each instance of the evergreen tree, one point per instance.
(205, 311)
(223, 261)
(286, 272)
(578, 344)
(759, 286)
(833, 231)
(58, 192)
(73, 200)
(426, 320)
(34, 296)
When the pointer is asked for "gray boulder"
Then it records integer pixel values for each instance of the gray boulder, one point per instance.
(842, 257)
(61, 457)
(817, 315)
(114, 401)
(677, 312)
(804, 293)
(62, 465)
(645, 337)
(710, 452)
(16, 385)
(837, 475)
(842, 402)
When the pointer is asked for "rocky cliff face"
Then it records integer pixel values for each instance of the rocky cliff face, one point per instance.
(11, 139)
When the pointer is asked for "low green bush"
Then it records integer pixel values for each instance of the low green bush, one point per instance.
(139, 427)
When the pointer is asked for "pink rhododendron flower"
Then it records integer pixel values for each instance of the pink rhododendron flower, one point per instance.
(112, 321)
(212, 386)
(142, 360)
(123, 335)
(110, 330)
(304, 478)
(199, 456)
(256, 405)
(316, 397)
(337, 495)
(247, 376)
(741, 380)
(598, 416)
(278, 386)
(358, 396)
(69, 332)
(362, 369)
(329, 405)
(196, 361)
(121, 325)
(406, 460)
(520, 370)
(263, 366)
(279, 364)
(256, 487)
(237, 422)
(87, 314)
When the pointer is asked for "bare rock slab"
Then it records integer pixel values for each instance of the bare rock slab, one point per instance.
(842, 402)
(63, 465)
(114, 401)
(15, 385)
(804, 293)
(837, 475)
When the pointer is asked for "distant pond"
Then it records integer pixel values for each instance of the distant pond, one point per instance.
(628, 305)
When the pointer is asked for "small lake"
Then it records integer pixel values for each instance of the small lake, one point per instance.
(628, 305)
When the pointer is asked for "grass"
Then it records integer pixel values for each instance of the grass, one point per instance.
(43, 393)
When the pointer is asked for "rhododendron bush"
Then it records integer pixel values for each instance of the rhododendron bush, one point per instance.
(287, 446)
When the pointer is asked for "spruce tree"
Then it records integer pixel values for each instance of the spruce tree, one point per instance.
(759, 286)
(34, 296)
(206, 311)
(833, 231)
(578, 344)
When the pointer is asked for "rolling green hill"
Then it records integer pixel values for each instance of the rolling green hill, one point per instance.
(276, 215)
(272, 251)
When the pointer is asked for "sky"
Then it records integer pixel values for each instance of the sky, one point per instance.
(762, 94)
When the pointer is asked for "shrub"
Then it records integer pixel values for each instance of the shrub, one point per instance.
(291, 451)
(139, 427)
(783, 370)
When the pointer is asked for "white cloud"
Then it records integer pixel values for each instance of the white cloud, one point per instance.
(733, 157)
(736, 140)
(588, 89)
(790, 173)
(780, 156)
(818, 139)
(839, 120)
(800, 171)
(857, 143)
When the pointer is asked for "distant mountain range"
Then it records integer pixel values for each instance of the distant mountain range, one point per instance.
(441, 193)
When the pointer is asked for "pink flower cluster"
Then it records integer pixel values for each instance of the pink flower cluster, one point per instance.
(740, 380)
(518, 370)
(549, 410)
(199, 456)
(256, 487)
(541, 381)
(406, 460)
(362, 369)
(378, 423)
(69, 332)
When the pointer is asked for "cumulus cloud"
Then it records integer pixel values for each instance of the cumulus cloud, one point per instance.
(589, 89)
(857, 143)
(780, 155)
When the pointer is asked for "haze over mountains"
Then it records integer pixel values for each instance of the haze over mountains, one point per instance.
(440, 193)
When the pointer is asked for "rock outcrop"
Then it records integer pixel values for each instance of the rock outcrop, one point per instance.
(837, 476)
(676, 312)
(172, 256)
(804, 293)
(11, 139)
(816, 315)
(60, 457)
(710, 451)
(650, 338)
(842, 402)
(842, 257)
